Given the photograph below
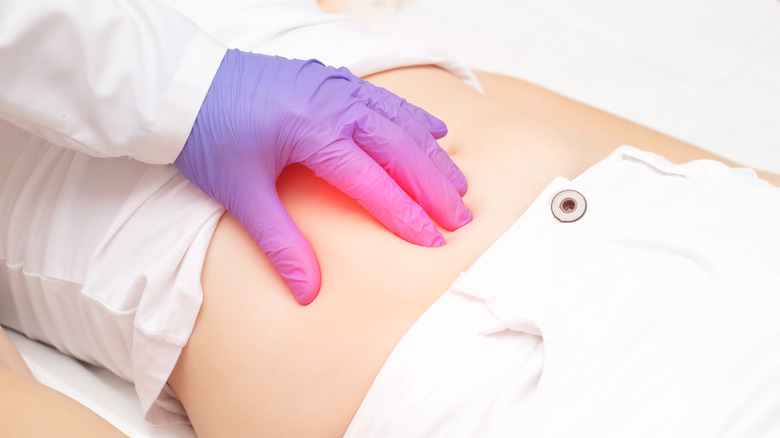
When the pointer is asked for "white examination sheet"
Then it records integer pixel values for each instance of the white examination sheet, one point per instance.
(704, 71)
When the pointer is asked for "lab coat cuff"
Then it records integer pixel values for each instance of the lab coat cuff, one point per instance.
(183, 100)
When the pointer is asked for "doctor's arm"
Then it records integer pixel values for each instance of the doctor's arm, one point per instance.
(106, 78)
(28, 408)
(128, 78)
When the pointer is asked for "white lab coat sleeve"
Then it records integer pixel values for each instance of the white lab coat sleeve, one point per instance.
(105, 77)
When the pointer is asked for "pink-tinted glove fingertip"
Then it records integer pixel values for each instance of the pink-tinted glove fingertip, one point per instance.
(303, 291)
(436, 240)
(280, 239)
(465, 216)
(303, 279)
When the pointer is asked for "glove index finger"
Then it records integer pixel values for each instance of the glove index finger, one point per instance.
(351, 170)
(267, 221)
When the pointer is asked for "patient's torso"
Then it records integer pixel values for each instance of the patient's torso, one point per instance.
(319, 361)
(375, 285)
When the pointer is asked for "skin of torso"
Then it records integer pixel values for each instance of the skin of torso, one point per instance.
(259, 364)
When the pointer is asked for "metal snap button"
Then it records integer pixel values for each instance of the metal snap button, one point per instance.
(569, 206)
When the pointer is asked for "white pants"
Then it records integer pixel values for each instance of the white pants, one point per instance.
(654, 314)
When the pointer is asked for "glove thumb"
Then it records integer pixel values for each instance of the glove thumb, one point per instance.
(288, 250)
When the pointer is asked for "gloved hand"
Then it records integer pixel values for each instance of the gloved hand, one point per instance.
(262, 113)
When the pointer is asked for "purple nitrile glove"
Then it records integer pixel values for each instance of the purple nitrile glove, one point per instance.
(262, 113)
